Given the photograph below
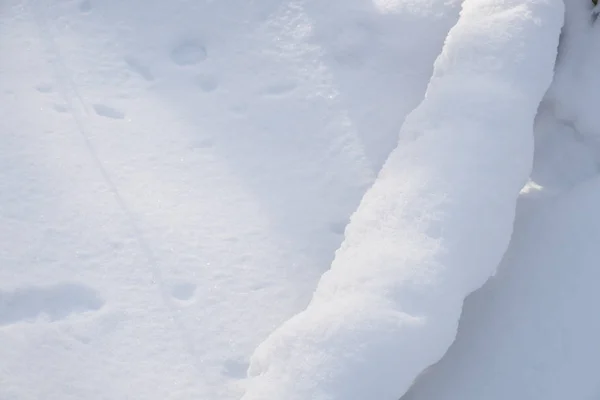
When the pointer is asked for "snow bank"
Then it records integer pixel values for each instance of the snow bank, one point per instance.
(533, 322)
(435, 224)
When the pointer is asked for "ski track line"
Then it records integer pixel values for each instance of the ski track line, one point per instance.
(69, 91)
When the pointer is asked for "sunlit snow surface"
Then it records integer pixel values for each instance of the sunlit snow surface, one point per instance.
(176, 177)
(435, 224)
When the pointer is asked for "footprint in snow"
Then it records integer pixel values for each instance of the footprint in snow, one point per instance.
(55, 302)
(44, 88)
(188, 52)
(183, 291)
(108, 112)
(139, 68)
(207, 83)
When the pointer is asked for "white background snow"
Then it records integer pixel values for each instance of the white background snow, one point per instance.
(290, 199)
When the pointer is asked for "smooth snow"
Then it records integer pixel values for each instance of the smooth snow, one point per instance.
(435, 224)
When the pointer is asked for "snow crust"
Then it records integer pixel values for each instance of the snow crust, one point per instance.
(435, 224)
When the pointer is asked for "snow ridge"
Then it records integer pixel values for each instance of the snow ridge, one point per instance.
(435, 224)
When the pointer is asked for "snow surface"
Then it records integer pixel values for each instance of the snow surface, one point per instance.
(530, 332)
(540, 343)
(435, 224)
(176, 177)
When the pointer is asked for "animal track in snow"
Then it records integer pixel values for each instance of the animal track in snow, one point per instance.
(85, 6)
(56, 302)
(207, 83)
(183, 291)
(188, 52)
(108, 112)
(44, 88)
(279, 89)
(139, 68)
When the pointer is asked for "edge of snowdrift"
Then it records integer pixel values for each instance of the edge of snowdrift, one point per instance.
(435, 224)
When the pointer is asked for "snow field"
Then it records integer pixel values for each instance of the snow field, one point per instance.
(177, 176)
(435, 224)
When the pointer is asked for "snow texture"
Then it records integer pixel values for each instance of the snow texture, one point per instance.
(176, 176)
(435, 224)
(529, 332)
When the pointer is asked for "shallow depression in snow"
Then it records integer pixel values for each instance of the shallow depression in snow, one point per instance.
(54, 302)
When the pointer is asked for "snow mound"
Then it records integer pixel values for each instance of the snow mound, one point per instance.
(531, 324)
(435, 224)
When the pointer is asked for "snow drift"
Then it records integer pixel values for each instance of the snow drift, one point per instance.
(435, 224)
(534, 321)
(531, 322)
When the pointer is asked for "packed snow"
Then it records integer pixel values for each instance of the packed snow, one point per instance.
(290, 199)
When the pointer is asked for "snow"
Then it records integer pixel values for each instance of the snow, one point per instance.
(528, 333)
(176, 176)
(435, 224)
(540, 343)
(176, 179)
